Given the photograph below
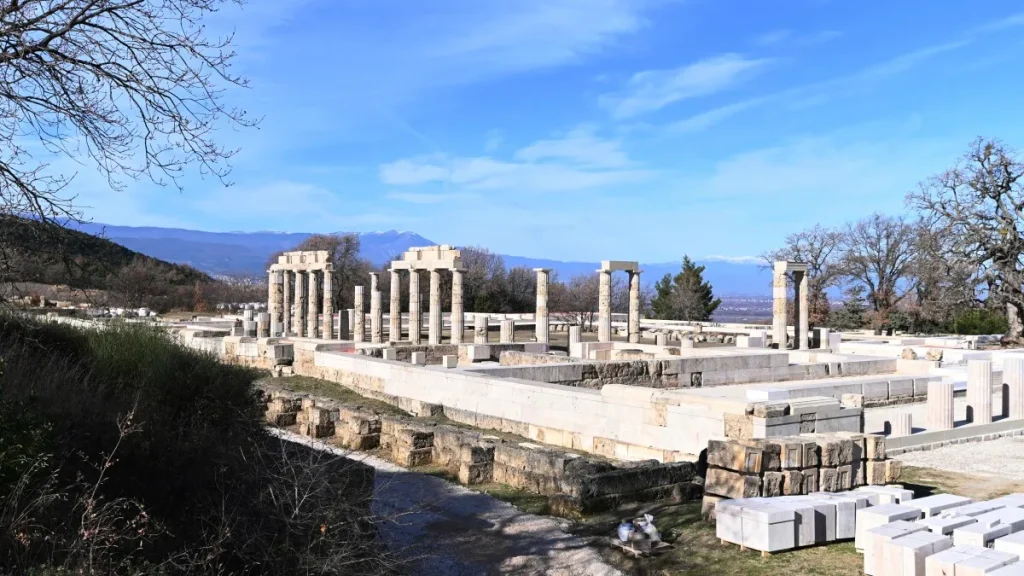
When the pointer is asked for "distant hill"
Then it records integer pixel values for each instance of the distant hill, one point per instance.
(226, 253)
(48, 254)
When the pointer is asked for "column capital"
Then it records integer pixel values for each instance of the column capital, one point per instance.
(542, 269)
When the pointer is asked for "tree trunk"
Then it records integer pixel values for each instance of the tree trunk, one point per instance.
(1015, 328)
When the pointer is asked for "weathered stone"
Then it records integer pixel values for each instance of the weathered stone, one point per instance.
(934, 355)
(834, 451)
(411, 457)
(738, 426)
(773, 484)
(476, 473)
(908, 354)
(810, 480)
(414, 439)
(771, 409)
(735, 456)
(476, 454)
(874, 473)
(852, 401)
(707, 507)
(893, 471)
(836, 479)
(793, 482)
(731, 484)
(874, 447)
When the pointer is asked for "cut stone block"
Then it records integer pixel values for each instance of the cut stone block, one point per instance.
(990, 526)
(905, 556)
(1014, 569)
(945, 523)
(881, 515)
(966, 560)
(793, 482)
(796, 452)
(875, 539)
(846, 513)
(418, 358)
(887, 494)
(932, 505)
(1011, 543)
(824, 518)
(874, 446)
(772, 484)
(838, 479)
(450, 361)
(893, 471)
(734, 456)
(806, 520)
(731, 484)
(390, 354)
(874, 473)
(768, 528)
(834, 451)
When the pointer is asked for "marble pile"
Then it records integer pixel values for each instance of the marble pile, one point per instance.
(940, 535)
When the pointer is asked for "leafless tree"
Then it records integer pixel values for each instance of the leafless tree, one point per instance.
(131, 88)
(879, 253)
(821, 248)
(576, 301)
(980, 201)
(946, 282)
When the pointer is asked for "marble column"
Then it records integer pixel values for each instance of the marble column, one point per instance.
(311, 303)
(344, 324)
(634, 307)
(508, 331)
(458, 311)
(376, 318)
(395, 308)
(803, 310)
(275, 306)
(328, 329)
(541, 316)
(286, 300)
(903, 425)
(359, 333)
(263, 325)
(779, 295)
(979, 391)
(298, 325)
(480, 328)
(604, 307)
(414, 307)
(434, 325)
(575, 333)
(661, 339)
(1013, 377)
(373, 284)
(940, 406)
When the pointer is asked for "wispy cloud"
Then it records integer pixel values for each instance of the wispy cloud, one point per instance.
(705, 120)
(578, 160)
(786, 36)
(772, 37)
(431, 198)
(652, 90)
(493, 140)
(733, 259)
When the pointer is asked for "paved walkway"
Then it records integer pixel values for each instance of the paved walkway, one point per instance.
(447, 529)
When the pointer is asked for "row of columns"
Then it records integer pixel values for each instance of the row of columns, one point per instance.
(979, 394)
(287, 307)
(780, 294)
(604, 307)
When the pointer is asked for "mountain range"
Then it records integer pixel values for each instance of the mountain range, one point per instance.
(236, 253)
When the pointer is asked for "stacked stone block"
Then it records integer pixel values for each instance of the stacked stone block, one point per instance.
(794, 465)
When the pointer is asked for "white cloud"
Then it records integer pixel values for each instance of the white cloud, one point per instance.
(705, 120)
(652, 90)
(579, 160)
(773, 37)
(493, 140)
(428, 198)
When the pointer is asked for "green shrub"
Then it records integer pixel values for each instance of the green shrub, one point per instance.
(980, 321)
(160, 453)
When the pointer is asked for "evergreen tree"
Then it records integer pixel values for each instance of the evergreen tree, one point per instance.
(852, 315)
(685, 296)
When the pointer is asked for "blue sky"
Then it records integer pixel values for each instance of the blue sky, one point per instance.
(595, 129)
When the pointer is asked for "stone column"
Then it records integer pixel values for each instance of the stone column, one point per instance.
(508, 331)
(275, 304)
(286, 303)
(458, 312)
(1013, 376)
(395, 308)
(634, 307)
(902, 426)
(541, 316)
(376, 318)
(574, 336)
(298, 325)
(434, 325)
(344, 324)
(803, 311)
(359, 333)
(979, 391)
(373, 284)
(414, 307)
(263, 325)
(779, 294)
(604, 307)
(311, 319)
(661, 339)
(480, 327)
(328, 329)
(940, 406)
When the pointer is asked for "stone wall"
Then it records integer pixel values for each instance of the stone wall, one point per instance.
(575, 483)
(516, 358)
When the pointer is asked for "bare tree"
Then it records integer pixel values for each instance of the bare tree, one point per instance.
(981, 202)
(821, 248)
(132, 88)
(946, 282)
(574, 302)
(879, 253)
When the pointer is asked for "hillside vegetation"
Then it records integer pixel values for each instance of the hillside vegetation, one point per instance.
(37, 252)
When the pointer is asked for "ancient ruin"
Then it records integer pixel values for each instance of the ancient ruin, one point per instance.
(293, 310)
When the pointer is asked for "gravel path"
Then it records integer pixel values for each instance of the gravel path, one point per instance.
(1003, 457)
(450, 530)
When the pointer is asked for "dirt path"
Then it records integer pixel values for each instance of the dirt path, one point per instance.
(447, 529)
